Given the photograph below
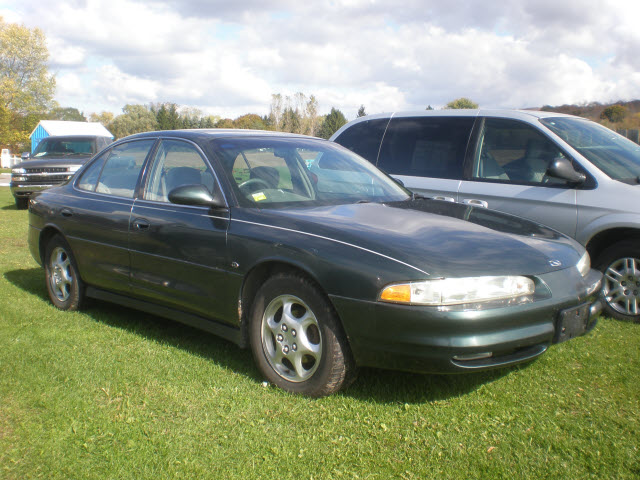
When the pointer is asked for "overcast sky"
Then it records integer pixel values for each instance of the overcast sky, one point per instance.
(227, 57)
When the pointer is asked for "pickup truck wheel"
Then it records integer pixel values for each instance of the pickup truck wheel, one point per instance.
(22, 203)
(65, 288)
(296, 338)
(620, 264)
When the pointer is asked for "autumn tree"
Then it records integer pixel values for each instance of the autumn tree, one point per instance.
(25, 83)
(26, 87)
(614, 113)
(105, 118)
(68, 114)
(297, 114)
(134, 119)
(461, 102)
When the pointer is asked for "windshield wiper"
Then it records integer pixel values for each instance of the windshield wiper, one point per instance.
(418, 196)
(630, 181)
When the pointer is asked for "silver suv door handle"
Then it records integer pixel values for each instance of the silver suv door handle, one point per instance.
(444, 199)
(475, 202)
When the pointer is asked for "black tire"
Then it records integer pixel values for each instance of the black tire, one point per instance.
(620, 264)
(22, 203)
(292, 322)
(64, 285)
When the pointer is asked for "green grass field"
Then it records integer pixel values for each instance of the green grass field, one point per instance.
(110, 393)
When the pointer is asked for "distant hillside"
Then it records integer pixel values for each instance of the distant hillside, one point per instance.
(593, 110)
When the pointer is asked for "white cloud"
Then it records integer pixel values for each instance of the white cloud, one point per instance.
(228, 58)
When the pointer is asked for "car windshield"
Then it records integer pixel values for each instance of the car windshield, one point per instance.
(67, 146)
(280, 172)
(612, 153)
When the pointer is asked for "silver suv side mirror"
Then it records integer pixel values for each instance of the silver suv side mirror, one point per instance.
(562, 168)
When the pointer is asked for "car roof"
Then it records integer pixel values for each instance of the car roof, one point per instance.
(507, 113)
(209, 133)
(524, 115)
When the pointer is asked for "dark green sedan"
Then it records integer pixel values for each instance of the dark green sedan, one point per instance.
(308, 254)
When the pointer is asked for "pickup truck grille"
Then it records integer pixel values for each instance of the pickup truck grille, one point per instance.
(47, 170)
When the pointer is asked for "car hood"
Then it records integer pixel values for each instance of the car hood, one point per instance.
(53, 161)
(441, 239)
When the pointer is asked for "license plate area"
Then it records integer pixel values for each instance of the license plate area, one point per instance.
(572, 322)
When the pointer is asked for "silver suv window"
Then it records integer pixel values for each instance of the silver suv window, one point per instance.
(514, 152)
(615, 155)
(425, 146)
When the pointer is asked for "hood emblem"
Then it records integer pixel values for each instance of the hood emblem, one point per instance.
(555, 263)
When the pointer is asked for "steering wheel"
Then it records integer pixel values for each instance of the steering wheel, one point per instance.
(253, 184)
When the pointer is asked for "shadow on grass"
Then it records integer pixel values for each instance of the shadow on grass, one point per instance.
(381, 386)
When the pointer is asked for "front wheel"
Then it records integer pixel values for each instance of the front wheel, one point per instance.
(620, 264)
(296, 338)
(65, 288)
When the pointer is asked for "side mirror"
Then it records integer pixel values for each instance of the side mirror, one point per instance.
(561, 168)
(196, 195)
(25, 155)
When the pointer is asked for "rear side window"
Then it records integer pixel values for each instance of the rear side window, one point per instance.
(116, 171)
(426, 146)
(364, 138)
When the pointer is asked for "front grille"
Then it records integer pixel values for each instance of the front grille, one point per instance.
(47, 179)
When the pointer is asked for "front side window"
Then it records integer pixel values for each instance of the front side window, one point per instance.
(426, 146)
(176, 164)
(514, 152)
(615, 155)
(122, 165)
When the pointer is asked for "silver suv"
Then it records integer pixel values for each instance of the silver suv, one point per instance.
(563, 171)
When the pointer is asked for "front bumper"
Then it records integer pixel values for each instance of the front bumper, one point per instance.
(433, 340)
(26, 190)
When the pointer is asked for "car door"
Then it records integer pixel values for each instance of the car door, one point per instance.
(97, 218)
(427, 153)
(178, 252)
(508, 173)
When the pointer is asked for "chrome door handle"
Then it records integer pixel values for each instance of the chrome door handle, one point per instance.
(66, 212)
(141, 224)
(444, 199)
(475, 202)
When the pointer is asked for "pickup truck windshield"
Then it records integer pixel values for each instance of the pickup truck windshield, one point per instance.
(63, 147)
(612, 153)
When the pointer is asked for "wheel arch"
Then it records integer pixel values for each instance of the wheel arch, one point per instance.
(606, 238)
(256, 277)
(46, 235)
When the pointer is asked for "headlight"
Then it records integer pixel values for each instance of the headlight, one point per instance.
(74, 168)
(18, 171)
(584, 265)
(453, 291)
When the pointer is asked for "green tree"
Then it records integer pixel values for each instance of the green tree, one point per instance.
(332, 123)
(429, 107)
(461, 102)
(25, 83)
(68, 114)
(134, 119)
(614, 113)
(362, 112)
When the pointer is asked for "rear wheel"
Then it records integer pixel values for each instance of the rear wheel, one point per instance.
(620, 264)
(296, 338)
(22, 203)
(65, 288)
